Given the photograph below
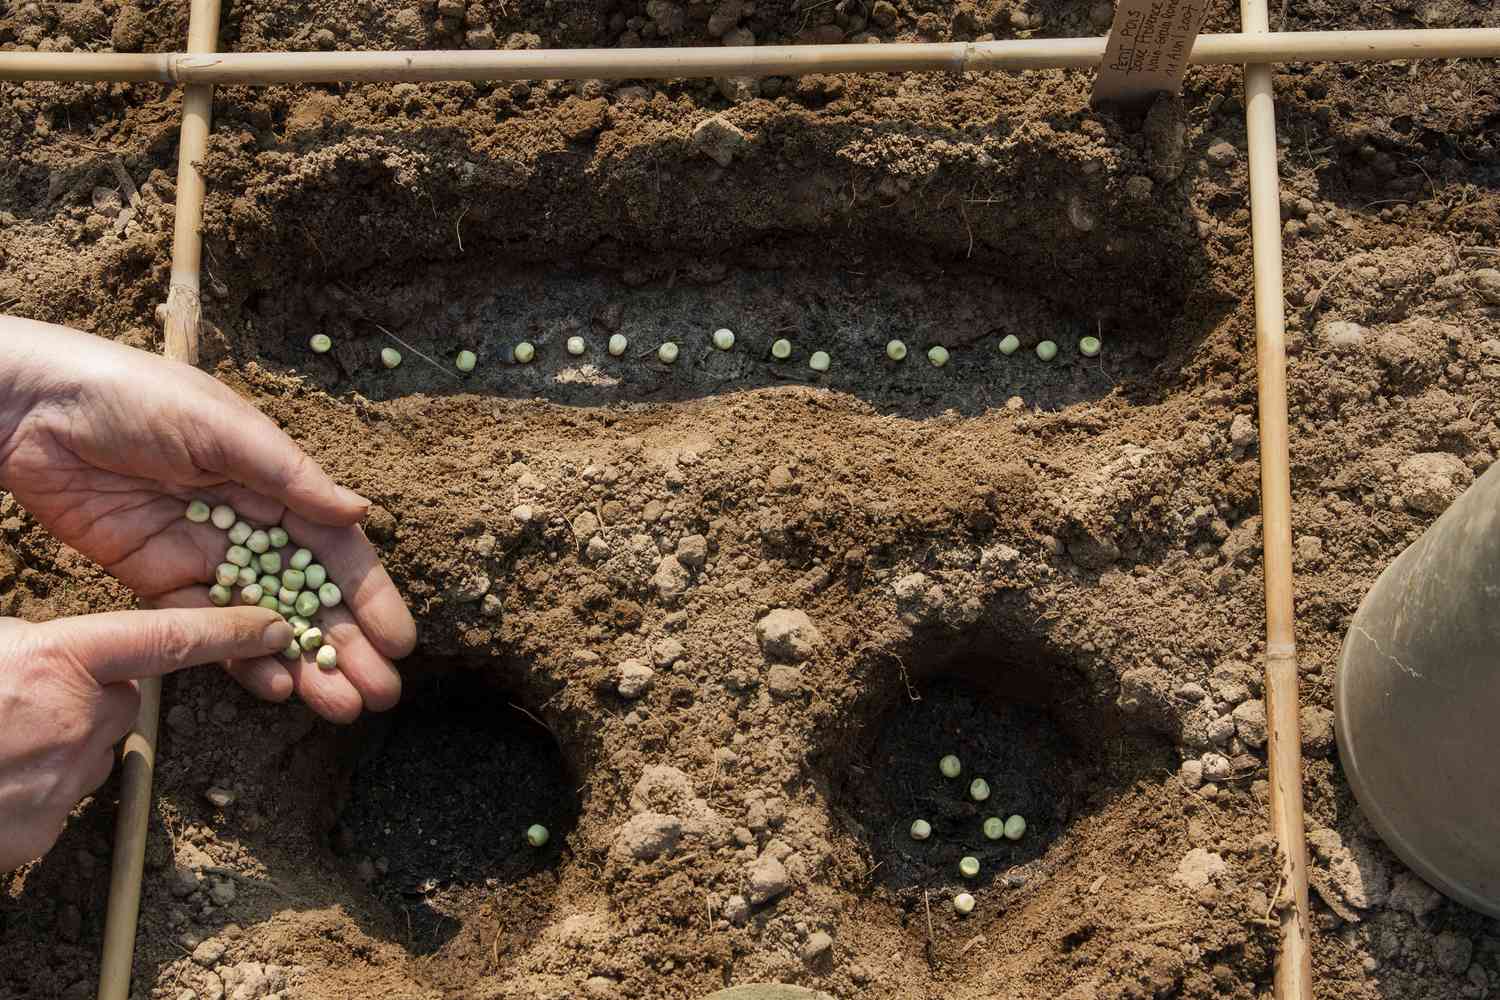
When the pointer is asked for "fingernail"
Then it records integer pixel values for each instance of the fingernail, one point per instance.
(278, 635)
(349, 496)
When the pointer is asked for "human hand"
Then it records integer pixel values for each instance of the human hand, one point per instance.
(105, 445)
(68, 694)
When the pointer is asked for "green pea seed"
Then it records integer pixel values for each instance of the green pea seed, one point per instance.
(618, 342)
(950, 766)
(299, 624)
(963, 903)
(311, 639)
(293, 579)
(328, 657)
(300, 559)
(220, 595)
(279, 538)
(198, 512)
(1010, 344)
(286, 595)
(895, 350)
(316, 576)
(667, 352)
(240, 533)
(320, 343)
(246, 576)
(222, 517)
(938, 355)
(1015, 828)
(238, 554)
(258, 542)
(1046, 350)
(524, 352)
(968, 866)
(920, 829)
(227, 574)
(330, 595)
(994, 828)
(270, 583)
(269, 602)
(252, 593)
(270, 562)
(465, 361)
(307, 604)
(1089, 347)
(979, 789)
(781, 349)
(390, 357)
(819, 361)
(723, 339)
(537, 835)
(292, 651)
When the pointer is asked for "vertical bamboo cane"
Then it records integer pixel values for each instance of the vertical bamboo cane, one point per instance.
(137, 764)
(1284, 744)
(138, 758)
(184, 312)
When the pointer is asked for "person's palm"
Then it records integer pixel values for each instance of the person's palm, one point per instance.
(108, 461)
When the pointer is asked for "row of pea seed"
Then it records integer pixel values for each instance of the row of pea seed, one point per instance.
(723, 339)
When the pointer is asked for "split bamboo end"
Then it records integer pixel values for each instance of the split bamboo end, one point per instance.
(184, 320)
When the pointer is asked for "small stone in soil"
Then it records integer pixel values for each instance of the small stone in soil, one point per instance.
(788, 634)
(635, 679)
(784, 681)
(222, 798)
(768, 879)
(208, 952)
(737, 910)
(648, 835)
(817, 944)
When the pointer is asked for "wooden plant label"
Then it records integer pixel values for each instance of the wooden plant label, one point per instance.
(1147, 51)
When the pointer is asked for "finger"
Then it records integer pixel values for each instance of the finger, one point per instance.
(373, 676)
(327, 692)
(263, 677)
(98, 766)
(123, 645)
(115, 715)
(240, 442)
(368, 591)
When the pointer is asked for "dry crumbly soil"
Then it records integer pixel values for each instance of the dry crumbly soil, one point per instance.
(1052, 570)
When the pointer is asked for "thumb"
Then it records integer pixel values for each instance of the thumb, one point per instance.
(249, 449)
(127, 645)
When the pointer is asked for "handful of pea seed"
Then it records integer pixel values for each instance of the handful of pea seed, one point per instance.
(297, 591)
(994, 827)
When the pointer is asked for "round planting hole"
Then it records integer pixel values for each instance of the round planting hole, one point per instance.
(443, 793)
(1014, 747)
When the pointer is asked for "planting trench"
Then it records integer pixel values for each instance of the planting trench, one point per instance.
(1050, 570)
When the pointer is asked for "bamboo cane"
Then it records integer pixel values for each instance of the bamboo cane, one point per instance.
(138, 763)
(1284, 745)
(263, 68)
(184, 312)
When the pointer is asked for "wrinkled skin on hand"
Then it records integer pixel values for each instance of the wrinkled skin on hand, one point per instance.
(105, 446)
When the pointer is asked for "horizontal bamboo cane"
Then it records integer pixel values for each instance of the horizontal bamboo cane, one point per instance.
(260, 68)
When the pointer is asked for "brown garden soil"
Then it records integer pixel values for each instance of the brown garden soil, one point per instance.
(1051, 570)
